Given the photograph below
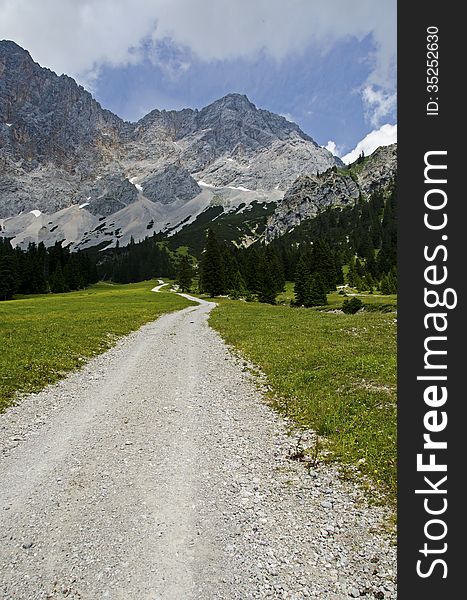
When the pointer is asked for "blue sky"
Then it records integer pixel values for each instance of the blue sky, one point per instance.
(327, 65)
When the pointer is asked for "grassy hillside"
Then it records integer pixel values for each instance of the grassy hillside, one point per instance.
(333, 373)
(44, 336)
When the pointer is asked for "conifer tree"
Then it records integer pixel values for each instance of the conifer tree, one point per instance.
(230, 267)
(57, 281)
(315, 291)
(238, 288)
(251, 270)
(212, 270)
(184, 274)
(267, 282)
(302, 277)
(274, 264)
(323, 264)
(352, 273)
(8, 275)
(389, 283)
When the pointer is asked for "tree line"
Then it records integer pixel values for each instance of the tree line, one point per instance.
(136, 262)
(259, 271)
(39, 270)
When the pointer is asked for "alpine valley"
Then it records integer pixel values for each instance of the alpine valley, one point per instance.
(73, 172)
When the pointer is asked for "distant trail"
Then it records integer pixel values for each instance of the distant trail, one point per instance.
(158, 287)
(157, 472)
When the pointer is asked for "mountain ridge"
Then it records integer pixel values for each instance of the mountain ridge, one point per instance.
(63, 156)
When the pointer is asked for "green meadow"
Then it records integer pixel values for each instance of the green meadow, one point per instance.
(331, 372)
(42, 337)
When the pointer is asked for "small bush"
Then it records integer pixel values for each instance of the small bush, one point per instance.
(350, 307)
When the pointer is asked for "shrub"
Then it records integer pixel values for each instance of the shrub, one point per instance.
(352, 306)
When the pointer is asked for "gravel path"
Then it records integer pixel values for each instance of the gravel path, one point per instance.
(158, 287)
(157, 472)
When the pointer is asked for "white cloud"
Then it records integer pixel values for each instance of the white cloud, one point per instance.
(79, 37)
(384, 136)
(289, 117)
(377, 104)
(332, 147)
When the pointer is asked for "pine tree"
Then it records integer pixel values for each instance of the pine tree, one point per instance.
(274, 264)
(315, 292)
(238, 288)
(389, 283)
(358, 283)
(302, 277)
(387, 257)
(251, 270)
(57, 281)
(230, 267)
(8, 275)
(184, 274)
(352, 273)
(212, 272)
(267, 282)
(323, 264)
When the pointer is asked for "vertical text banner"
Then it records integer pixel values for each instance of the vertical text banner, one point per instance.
(431, 318)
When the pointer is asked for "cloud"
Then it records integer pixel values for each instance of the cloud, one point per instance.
(289, 117)
(80, 37)
(384, 136)
(332, 147)
(378, 104)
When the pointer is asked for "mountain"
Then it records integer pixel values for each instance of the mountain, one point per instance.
(309, 194)
(74, 172)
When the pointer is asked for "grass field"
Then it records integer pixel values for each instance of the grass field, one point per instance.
(42, 337)
(333, 373)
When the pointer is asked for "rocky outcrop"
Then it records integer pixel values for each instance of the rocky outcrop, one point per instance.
(336, 187)
(170, 183)
(109, 195)
(379, 170)
(231, 142)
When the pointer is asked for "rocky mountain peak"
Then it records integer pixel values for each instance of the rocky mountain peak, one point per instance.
(238, 103)
(60, 149)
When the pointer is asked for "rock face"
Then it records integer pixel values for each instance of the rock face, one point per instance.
(336, 187)
(379, 170)
(50, 118)
(169, 184)
(231, 142)
(59, 148)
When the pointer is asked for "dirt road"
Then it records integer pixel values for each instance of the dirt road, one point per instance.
(157, 472)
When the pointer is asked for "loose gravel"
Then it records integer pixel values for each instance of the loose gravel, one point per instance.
(158, 472)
